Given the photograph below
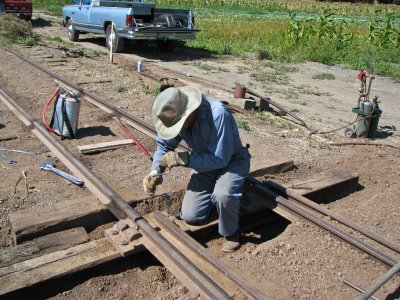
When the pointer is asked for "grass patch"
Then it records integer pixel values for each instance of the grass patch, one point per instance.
(121, 88)
(277, 121)
(324, 76)
(16, 31)
(242, 123)
(293, 31)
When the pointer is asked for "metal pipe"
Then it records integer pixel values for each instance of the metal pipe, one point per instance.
(352, 285)
(298, 210)
(196, 247)
(380, 282)
(283, 191)
(181, 267)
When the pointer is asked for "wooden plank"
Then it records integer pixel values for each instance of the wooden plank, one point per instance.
(328, 186)
(89, 213)
(25, 274)
(53, 265)
(270, 164)
(43, 245)
(99, 147)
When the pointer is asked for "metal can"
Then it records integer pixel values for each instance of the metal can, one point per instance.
(139, 66)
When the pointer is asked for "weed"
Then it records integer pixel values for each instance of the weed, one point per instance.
(277, 121)
(262, 54)
(96, 52)
(324, 76)
(55, 38)
(270, 77)
(152, 91)
(121, 88)
(242, 123)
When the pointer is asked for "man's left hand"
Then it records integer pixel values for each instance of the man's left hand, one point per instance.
(174, 159)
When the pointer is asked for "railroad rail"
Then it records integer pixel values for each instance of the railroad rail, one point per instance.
(273, 195)
(189, 274)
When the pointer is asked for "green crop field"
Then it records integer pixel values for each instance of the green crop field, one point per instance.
(292, 31)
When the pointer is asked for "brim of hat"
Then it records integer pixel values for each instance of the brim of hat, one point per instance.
(194, 100)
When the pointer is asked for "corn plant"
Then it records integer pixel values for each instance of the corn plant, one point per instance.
(383, 32)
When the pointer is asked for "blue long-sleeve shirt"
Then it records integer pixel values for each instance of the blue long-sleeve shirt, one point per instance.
(213, 138)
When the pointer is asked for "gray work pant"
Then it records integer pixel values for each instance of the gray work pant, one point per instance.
(221, 189)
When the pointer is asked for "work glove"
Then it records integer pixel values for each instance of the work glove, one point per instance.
(151, 181)
(174, 159)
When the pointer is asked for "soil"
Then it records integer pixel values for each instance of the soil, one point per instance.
(287, 261)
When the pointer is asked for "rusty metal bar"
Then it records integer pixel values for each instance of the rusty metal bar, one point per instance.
(298, 210)
(372, 289)
(251, 92)
(283, 191)
(192, 277)
(196, 247)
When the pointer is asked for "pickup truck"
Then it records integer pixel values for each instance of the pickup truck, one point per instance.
(128, 20)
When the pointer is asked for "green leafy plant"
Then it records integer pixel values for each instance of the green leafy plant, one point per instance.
(242, 123)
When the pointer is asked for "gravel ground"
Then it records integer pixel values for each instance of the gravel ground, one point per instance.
(287, 261)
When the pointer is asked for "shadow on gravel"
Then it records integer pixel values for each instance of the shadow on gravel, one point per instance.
(153, 51)
(39, 22)
(93, 131)
(385, 131)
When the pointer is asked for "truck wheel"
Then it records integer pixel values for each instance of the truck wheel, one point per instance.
(73, 34)
(117, 42)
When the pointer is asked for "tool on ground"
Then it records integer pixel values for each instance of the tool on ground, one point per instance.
(64, 121)
(368, 113)
(273, 103)
(7, 159)
(18, 151)
(48, 166)
(144, 151)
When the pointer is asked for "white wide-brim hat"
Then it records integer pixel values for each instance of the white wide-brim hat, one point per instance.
(171, 109)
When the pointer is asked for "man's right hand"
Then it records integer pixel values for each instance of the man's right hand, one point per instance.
(151, 181)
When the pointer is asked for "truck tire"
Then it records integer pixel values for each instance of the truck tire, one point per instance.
(118, 43)
(73, 34)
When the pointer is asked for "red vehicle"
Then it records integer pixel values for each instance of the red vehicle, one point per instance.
(19, 8)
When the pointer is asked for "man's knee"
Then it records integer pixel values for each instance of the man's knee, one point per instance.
(224, 199)
(192, 217)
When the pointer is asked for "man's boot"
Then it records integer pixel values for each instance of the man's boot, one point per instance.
(232, 243)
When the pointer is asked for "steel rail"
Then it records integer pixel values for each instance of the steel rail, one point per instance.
(197, 248)
(287, 192)
(358, 289)
(150, 131)
(381, 281)
(190, 275)
(101, 103)
(298, 210)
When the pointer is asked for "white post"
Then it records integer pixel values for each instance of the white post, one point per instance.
(111, 42)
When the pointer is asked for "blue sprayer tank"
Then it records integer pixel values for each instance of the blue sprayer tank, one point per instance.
(66, 115)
